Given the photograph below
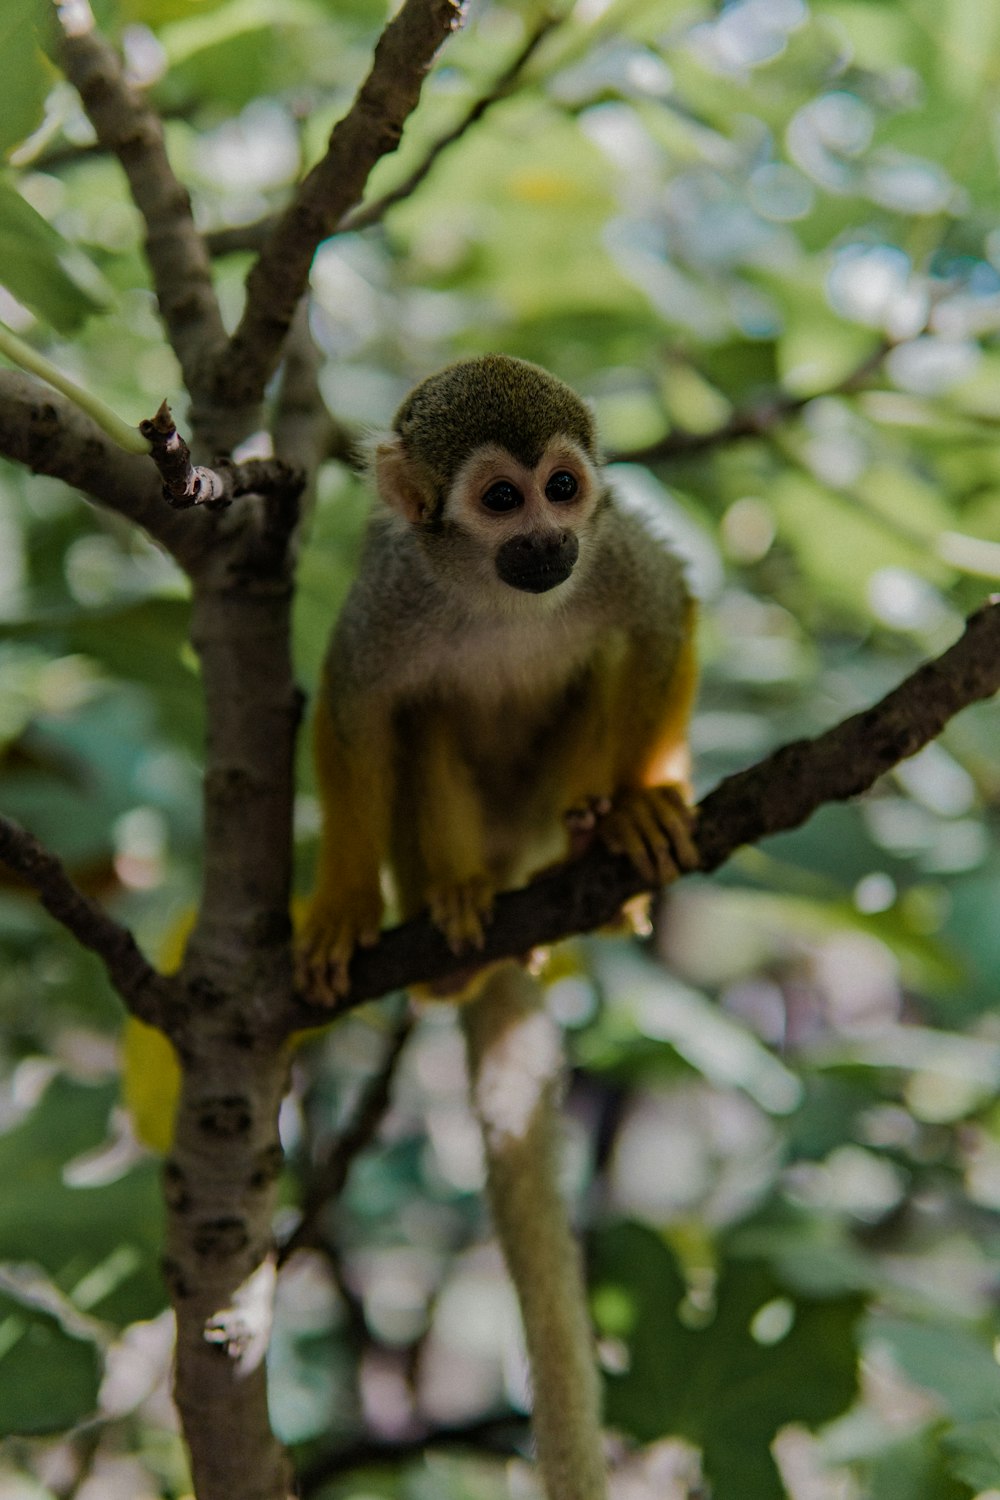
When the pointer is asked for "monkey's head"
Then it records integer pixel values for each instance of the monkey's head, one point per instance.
(495, 463)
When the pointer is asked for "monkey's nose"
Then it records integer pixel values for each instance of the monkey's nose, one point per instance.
(537, 562)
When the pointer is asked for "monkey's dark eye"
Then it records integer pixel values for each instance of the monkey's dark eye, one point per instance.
(502, 496)
(562, 486)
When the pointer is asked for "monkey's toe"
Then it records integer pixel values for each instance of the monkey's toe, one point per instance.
(327, 945)
(652, 826)
(462, 910)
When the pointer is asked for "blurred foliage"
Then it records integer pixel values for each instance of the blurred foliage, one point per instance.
(783, 1128)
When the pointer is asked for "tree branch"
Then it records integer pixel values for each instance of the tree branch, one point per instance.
(777, 794)
(371, 213)
(303, 431)
(187, 484)
(359, 1132)
(754, 420)
(505, 1433)
(147, 994)
(50, 435)
(252, 236)
(180, 264)
(371, 128)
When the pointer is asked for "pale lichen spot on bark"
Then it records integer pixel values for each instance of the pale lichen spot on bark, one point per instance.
(243, 1330)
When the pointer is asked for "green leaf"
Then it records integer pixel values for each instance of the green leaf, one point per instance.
(974, 1452)
(25, 75)
(104, 1237)
(732, 1382)
(49, 1378)
(948, 1360)
(916, 1469)
(32, 264)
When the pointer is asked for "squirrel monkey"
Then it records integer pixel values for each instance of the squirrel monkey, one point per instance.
(511, 675)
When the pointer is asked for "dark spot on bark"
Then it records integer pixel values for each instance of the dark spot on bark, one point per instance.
(205, 994)
(174, 1278)
(271, 928)
(269, 1164)
(229, 785)
(218, 1239)
(175, 1189)
(226, 1116)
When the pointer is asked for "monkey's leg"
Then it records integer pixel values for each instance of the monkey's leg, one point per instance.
(355, 784)
(457, 885)
(515, 1063)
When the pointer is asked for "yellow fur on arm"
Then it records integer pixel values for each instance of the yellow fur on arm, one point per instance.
(515, 1064)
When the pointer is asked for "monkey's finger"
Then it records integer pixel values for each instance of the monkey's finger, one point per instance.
(622, 837)
(643, 813)
(676, 819)
(461, 912)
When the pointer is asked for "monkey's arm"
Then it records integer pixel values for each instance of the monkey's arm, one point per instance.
(649, 819)
(452, 874)
(623, 763)
(354, 774)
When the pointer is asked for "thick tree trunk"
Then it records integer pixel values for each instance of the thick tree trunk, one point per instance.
(221, 1175)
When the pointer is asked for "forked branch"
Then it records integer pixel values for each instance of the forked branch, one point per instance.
(50, 435)
(370, 130)
(146, 993)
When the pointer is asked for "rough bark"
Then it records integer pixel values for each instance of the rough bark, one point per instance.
(221, 1174)
(49, 435)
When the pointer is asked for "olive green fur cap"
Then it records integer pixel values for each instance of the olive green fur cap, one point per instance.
(495, 399)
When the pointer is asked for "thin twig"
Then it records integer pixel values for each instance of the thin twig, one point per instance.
(147, 994)
(187, 484)
(777, 794)
(127, 126)
(252, 236)
(373, 212)
(371, 129)
(506, 1432)
(330, 1176)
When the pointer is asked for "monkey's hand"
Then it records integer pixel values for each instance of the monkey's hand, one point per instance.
(462, 909)
(334, 927)
(652, 825)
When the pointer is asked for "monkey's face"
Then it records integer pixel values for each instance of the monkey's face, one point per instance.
(522, 528)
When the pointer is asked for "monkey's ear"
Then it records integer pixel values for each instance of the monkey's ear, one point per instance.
(401, 483)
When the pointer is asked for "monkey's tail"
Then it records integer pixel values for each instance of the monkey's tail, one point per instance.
(515, 1063)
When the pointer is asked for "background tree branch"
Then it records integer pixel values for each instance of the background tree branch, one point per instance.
(147, 994)
(777, 794)
(252, 236)
(330, 1175)
(754, 420)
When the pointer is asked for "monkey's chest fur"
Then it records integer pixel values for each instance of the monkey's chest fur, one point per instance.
(504, 695)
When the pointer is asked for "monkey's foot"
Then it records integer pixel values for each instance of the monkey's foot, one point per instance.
(461, 910)
(652, 825)
(329, 937)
